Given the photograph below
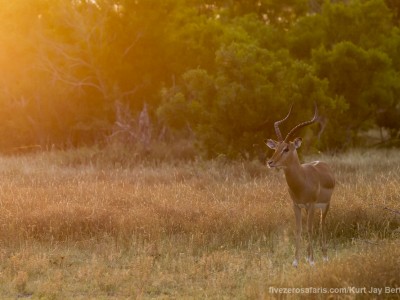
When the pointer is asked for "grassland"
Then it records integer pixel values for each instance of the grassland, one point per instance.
(89, 225)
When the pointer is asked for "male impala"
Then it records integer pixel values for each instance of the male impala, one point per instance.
(310, 184)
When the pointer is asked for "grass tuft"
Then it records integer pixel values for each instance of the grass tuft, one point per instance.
(85, 224)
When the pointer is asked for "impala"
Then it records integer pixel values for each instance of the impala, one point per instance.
(310, 184)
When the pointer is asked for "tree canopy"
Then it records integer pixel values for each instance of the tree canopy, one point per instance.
(221, 71)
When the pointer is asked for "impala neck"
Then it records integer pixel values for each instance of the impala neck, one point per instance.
(294, 173)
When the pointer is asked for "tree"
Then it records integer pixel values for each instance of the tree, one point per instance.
(364, 78)
(29, 111)
(109, 53)
(235, 107)
(220, 71)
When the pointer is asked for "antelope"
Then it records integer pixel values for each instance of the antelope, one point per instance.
(310, 184)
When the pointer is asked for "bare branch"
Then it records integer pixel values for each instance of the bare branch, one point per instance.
(392, 210)
(129, 48)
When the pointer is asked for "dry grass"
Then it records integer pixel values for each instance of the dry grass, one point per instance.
(76, 225)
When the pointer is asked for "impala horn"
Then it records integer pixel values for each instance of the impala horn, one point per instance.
(301, 125)
(277, 123)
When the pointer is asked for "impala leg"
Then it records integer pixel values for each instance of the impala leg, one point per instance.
(310, 218)
(297, 213)
(323, 233)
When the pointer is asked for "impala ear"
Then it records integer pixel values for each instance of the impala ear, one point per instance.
(297, 142)
(271, 144)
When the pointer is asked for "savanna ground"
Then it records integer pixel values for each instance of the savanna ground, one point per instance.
(88, 225)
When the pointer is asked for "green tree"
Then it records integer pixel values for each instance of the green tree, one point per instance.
(364, 78)
(367, 24)
(235, 108)
(223, 70)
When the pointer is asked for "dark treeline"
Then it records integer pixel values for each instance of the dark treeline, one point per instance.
(82, 72)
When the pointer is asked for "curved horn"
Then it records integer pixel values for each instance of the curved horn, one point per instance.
(301, 125)
(277, 123)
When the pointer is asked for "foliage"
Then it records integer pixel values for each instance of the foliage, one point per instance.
(223, 70)
(231, 110)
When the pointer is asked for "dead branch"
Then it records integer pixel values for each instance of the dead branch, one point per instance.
(392, 210)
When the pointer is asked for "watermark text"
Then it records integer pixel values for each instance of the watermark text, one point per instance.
(339, 290)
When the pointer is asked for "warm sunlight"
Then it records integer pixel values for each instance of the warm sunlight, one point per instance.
(68, 67)
(134, 158)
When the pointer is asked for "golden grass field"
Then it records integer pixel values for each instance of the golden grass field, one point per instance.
(80, 225)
